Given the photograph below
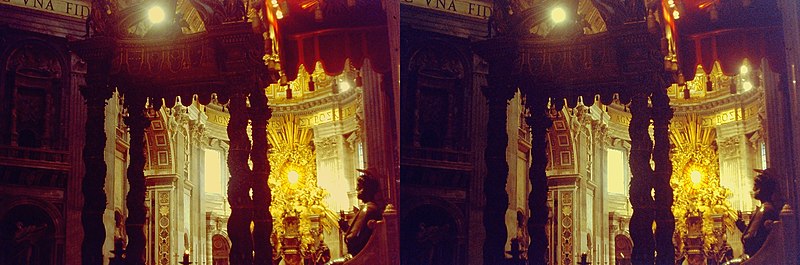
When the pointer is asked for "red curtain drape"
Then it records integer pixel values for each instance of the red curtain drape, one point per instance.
(354, 30)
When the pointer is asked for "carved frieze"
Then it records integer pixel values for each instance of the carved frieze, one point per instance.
(162, 222)
(326, 147)
(566, 222)
(729, 147)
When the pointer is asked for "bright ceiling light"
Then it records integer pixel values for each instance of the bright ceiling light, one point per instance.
(746, 85)
(344, 86)
(293, 176)
(558, 15)
(696, 176)
(156, 14)
(744, 69)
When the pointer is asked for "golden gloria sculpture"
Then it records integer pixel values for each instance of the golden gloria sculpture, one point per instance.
(296, 198)
(695, 179)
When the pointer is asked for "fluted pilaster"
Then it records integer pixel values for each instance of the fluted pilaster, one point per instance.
(93, 185)
(239, 184)
(539, 122)
(494, 184)
(641, 224)
(262, 195)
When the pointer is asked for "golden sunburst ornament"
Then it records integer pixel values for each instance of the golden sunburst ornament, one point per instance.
(293, 182)
(695, 180)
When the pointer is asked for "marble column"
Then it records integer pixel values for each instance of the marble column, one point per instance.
(665, 220)
(93, 185)
(239, 183)
(494, 183)
(262, 195)
(539, 122)
(641, 224)
(137, 123)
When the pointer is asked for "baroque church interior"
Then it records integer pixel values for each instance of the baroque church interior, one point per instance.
(198, 132)
(598, 132)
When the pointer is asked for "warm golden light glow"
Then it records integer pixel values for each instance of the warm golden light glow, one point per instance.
(279, 14)
(744, 69)
(695, 180)
(746, 85)
(293, 181)
(155, 14)
(344, 86)
(558, 15)
(696, 176)
(293, 176)
(676, 14)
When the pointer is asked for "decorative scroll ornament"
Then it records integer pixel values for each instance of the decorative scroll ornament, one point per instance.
(293, 156)
(695, 179)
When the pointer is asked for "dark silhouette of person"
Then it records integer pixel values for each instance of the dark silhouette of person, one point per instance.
(766, 188)
(357, 232)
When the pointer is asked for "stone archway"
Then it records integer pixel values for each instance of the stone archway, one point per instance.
(429, 236)
(622, 249)
(220, 249)
(27, 236)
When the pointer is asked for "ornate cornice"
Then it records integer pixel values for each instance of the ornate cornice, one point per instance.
(307, 107)
(721, 103)
(623, 61)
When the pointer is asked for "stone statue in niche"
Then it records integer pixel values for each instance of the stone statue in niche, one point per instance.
(26, 238)
(430, 239)
(767, 189)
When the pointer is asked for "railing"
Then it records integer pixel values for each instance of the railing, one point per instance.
(525, 134)
(434, 154)
(33, 157)
(122, 134)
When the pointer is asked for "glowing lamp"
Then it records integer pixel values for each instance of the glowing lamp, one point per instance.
(696, 176)
(744, 70)
(676, 14)
(558, 15)
(293, 176)
(746, 85)
(156, 14)
(279, 14)
(344, 86)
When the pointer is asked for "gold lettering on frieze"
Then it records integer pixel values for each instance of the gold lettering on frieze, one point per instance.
(470, 8)
(620, 118)
(72, 8)
(723, 117)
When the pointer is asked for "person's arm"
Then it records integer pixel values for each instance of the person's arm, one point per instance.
(740, 222)
(361, 220)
